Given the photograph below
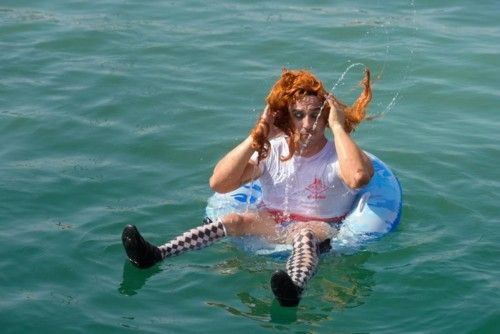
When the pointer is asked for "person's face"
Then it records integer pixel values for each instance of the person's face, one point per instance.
(305, 114)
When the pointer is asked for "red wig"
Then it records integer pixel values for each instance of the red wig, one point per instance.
(286, 91)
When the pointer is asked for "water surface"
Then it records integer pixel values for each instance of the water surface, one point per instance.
(115, 112)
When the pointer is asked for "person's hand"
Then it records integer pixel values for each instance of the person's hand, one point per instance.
(336, 115)
(268, 117)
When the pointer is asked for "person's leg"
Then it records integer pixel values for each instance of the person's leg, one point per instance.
(300, 267)
(255, 223)
(143, 254)
(308, 239)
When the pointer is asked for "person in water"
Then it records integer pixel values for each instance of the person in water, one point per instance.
(309, 183)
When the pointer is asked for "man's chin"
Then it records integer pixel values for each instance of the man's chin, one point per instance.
(304, 138)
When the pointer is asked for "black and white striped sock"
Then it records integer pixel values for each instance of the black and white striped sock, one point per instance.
(302, 264)
(196, 238)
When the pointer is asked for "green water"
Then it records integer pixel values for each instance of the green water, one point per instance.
(115, 112)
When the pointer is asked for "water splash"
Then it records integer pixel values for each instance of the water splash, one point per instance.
(318, 117)
(249, 195)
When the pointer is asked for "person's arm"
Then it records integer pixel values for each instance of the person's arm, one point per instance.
(235, 168)
(356, 168)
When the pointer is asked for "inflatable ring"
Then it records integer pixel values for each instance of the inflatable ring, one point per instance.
(375, 212)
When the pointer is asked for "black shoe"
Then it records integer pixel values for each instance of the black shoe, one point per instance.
(285, 291)
(325, 246)
(140, 252)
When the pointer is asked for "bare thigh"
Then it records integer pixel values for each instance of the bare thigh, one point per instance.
(253, 223)
(320, 229)
(261, 223)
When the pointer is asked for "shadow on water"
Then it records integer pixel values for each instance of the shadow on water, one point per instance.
(345, 282)
(342, 282)
(133, 279)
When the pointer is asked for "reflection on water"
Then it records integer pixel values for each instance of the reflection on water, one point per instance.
(134, 279)
(261, 310)
(342, 282)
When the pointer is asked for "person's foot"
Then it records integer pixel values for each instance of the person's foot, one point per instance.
(139, 251)
(285, 291)
(325, 246)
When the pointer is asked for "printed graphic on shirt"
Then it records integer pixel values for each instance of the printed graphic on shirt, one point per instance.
(316, 189)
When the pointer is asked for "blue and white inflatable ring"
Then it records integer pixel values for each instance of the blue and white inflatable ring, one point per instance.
(375, 212)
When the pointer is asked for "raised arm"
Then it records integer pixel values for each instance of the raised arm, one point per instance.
(236, 168)
(356, 168)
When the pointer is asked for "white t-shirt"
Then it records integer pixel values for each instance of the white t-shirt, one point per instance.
(310, 187)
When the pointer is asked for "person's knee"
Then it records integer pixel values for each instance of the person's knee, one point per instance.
(233, 223)
(250, 223)
(321, 230)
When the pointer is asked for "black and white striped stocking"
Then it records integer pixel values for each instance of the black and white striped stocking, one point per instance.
(302, 264)
(196, 238)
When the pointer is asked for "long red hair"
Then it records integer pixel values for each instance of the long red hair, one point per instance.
(290, 87)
